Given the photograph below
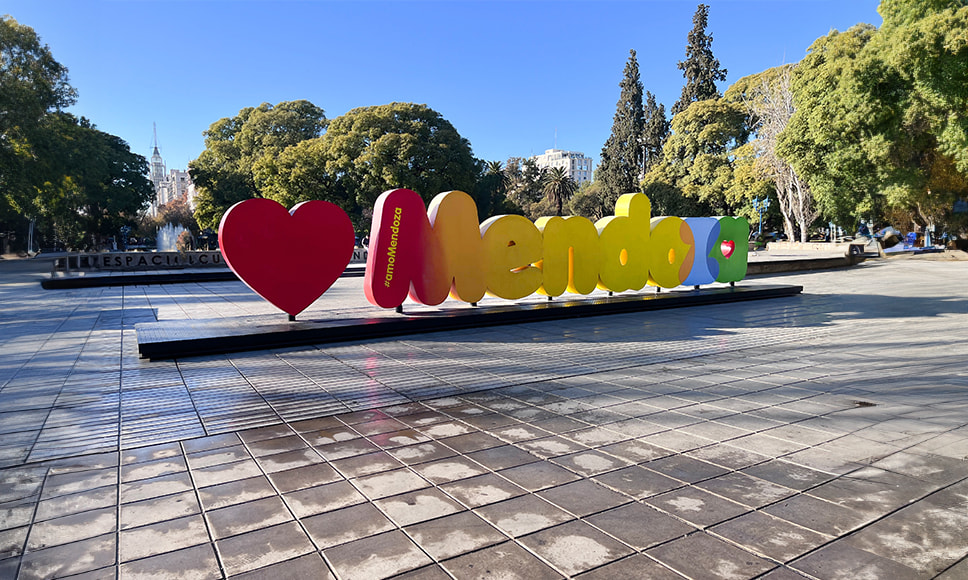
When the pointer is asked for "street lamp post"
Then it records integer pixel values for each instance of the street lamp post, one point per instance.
(761, 206)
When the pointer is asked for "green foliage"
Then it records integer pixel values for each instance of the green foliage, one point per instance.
(87, 183)
(700, 69)
(32, 84)
(523, 179)
(700, 159)
(490, 192)
(175, 212)
(372, 149)
(587, 201)
(621, 159)
(241, 151)
(558, 187)
(880, 112)
(655, 131)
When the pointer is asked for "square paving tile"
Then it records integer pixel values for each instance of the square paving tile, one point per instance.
(449, 469)
(470, 442)
(148, 469)
(162, 537)
(323, 498)
(635, 451)
(539, 475)
(233, 492)
(788, 474)
(155, 487)
(308, 566)
(377, 556)
(417, 506)
(68, 559)
(507, 560)
(421, 453)
(67, 529)
(225, 472)
(635, 567)
(923, 537)
(245, 517)
(575, 547)
(818, 515)
(346, 525)
(482, 490)
(719, 559)
(368, 464)
(696, 506)
(12, 542)
(195, 562)
(640, 526)
(289, 460)
(263, 547)
(583, 498)
(455, 534)
(389, 483)
(638, 482)
(769, 536)
(523, 515)
(749, 491)
(64, 505)
(590, 462)
(158, 509)
(840, 560)
(685, 468)
(303, 477)
(497, 458)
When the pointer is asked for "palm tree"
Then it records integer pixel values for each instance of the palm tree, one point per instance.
(558, 186)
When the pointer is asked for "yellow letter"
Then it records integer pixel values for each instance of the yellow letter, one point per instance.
(571, 256)
(624, 243)
(673, 251)
(511, 245)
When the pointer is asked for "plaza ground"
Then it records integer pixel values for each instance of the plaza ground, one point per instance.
(821, 436)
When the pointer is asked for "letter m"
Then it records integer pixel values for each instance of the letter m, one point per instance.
(438, 250)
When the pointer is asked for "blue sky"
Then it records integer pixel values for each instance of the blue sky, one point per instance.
(508, 75)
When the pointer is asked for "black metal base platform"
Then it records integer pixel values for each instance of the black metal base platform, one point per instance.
(183, 338)
(99, 280)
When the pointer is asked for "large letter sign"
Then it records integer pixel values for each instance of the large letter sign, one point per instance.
(424, 255)
(430, 253)
(290, 258)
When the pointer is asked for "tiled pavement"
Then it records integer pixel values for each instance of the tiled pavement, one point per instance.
(821, 436)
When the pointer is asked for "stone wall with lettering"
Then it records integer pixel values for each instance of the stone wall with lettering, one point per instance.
(155, 260)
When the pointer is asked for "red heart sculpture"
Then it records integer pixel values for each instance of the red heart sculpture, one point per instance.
(727, 248)
(288, 257)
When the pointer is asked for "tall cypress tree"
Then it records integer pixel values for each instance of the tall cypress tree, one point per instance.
(654, 132)
(622, 154)
(700, 69)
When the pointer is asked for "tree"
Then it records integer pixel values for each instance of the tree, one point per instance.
(700, 69)
(699, 161)
(587, 202)
(490, 192)
(523, 180)
(368, 151)
(32, 84)
(880, 115)
(655, 131)
(622, 154)
(770, 105)
(558, 187)
(94, 183)
(240, 152)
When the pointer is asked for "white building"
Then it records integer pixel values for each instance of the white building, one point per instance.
(578, 167)
(169, 185)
